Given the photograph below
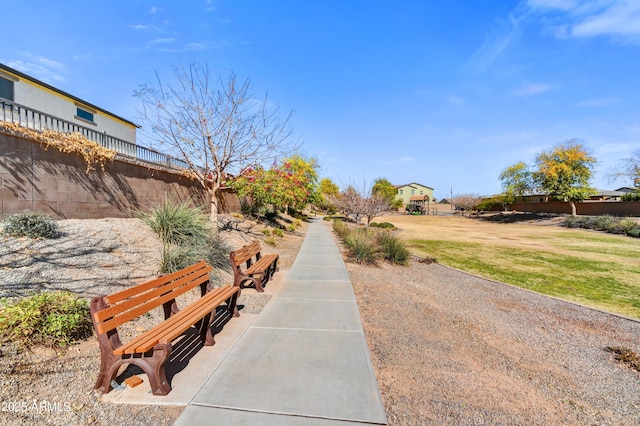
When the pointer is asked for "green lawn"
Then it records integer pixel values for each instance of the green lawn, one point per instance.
(590, 268)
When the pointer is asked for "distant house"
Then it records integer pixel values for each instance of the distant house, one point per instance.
(415, 193)
(20, 93)
(627, 190)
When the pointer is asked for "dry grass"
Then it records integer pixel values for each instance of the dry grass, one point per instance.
(595, 269)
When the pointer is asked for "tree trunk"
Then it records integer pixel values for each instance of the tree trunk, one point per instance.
(573, 208)
(213, 212)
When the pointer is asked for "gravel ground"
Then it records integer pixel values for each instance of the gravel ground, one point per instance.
(453, 349)
(93, 257)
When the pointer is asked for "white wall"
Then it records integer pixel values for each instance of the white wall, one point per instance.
(47, 101)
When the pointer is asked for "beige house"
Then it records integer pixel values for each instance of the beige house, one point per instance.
(415, 193)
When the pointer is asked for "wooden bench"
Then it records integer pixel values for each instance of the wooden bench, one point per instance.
(151, 349)
(258, 268)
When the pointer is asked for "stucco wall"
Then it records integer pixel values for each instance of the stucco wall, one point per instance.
(33, 179)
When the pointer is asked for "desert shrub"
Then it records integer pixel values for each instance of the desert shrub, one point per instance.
(392, 248)
(383, 225)
(214, 250)
(266, 232)
(271, 241)
(623, 226)
(635, 232)
(33, 225)
(362, 246)
(292, 228)
(341, 229)
(605, 223)
(187, 237)
(49, 319)
(278, 232)
(574, 222)
(178, 223)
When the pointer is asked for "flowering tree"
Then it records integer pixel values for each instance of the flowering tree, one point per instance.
(292, 183)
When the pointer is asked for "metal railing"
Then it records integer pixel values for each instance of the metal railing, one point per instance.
(37, 120)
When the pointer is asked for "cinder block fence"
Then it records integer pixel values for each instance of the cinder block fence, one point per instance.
(35, 179)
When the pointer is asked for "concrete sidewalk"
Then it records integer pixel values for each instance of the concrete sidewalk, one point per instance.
(304, 360)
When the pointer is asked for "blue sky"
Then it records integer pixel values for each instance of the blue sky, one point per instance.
(446, 93)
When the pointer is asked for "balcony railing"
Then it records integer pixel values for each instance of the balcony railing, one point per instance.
(36, 120)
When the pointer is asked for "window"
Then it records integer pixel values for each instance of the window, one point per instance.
(6, 89)
(400, 191)
(413, 192)
(84, 114)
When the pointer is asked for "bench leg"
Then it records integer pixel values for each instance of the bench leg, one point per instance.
(153, 366)
(205, 329)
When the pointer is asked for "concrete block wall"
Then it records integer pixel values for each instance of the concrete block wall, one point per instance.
(587, 208)
(33, 179)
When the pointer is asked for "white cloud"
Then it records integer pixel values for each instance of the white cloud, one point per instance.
(494, 44)
(42, 68)
(162, 40)
(618, 19)
(552, 4)
(597, 102)
(531, 89)
(139, 27)
(455, 100)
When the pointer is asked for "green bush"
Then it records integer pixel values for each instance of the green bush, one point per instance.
(271, 241)
(278, 232)
(33, 225)
(363, 247)
(50, 319)
(266, 232)
(631, 196)
(393, 249)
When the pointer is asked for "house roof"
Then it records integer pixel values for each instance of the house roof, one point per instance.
(626, 189)
(412, 183)
(63, 93)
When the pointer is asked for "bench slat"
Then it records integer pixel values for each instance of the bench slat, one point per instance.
(262, 264)
(114, 298)
(177, 324)
(245, 253)
(162, 285)
(117, 317)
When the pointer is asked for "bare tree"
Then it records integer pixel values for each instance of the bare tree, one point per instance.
(628, 168)
(356, 206)
(376, 205)
(351, 203)
(218, 127)
(466, 202)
